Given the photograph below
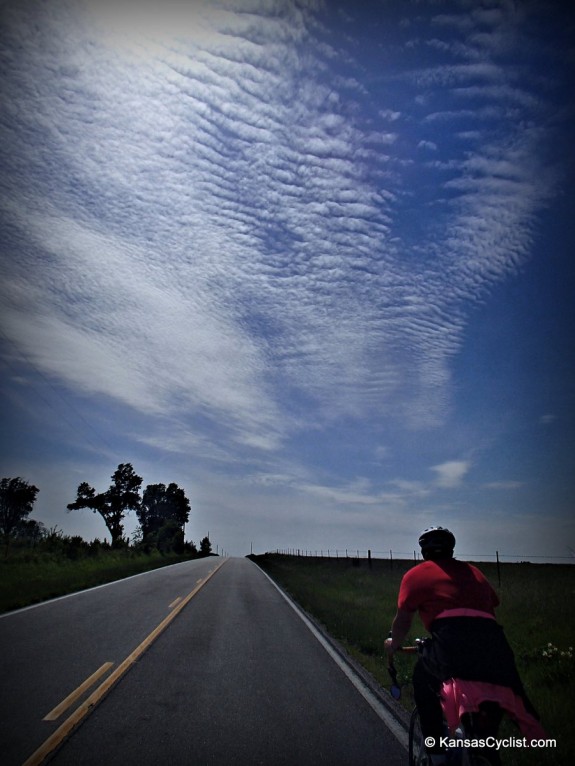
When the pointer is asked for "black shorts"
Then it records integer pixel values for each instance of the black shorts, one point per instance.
(472, 649)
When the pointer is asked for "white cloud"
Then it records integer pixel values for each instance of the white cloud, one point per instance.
(450, 474)
(410, 488)
(504, 485)
(389, 114)
(546, 420)
(348, 496)
(382, 452)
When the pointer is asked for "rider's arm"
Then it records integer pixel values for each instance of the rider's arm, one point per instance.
(399, 629)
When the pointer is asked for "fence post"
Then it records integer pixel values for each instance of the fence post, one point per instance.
(498, 568)
(369, 558)
(391, 559)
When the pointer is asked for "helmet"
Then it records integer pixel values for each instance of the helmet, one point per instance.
(436, 542)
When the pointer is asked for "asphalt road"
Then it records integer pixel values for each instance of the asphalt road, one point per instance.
(236, 677)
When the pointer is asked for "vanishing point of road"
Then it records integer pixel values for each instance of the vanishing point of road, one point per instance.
(202, 663)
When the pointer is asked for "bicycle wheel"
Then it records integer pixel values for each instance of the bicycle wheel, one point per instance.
(482, 725)
(464, 756)
(417, 756)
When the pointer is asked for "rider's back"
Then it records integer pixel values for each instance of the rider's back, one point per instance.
(433, 587)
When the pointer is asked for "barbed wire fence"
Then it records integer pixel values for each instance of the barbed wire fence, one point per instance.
(391, 555)
(355, 555)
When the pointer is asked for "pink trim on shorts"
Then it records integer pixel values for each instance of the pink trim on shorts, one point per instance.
(459, 697)
(463, 613)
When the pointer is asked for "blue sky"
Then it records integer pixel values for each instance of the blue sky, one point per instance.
(311, 261)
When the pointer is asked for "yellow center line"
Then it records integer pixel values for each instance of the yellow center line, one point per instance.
(174, 602)
(66, 728)
(54, 714)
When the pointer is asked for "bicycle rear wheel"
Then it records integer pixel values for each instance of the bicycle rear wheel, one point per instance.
(482, 725)
(417, 756)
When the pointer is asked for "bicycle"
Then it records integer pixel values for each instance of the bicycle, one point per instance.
(473, 727)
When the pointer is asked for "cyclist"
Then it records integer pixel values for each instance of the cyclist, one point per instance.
(457, 605)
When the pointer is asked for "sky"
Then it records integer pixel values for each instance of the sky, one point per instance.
(312, 261)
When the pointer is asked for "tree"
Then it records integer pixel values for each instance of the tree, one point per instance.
(112, 505)
(17, 499)
(30, 531)
(205, 547)
(170, 537)
(161, 505)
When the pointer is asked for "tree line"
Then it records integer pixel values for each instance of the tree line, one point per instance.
(162, 512)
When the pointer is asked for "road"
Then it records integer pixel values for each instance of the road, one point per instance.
(236, 677)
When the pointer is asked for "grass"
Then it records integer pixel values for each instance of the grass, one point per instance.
(356, 605)
(24, 582)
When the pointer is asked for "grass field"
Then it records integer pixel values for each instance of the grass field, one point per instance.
(24, 582)
(356, 604)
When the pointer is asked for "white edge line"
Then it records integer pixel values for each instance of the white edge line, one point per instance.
(378, 707)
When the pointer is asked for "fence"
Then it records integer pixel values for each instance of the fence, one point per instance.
(390, 555)
(357, 555)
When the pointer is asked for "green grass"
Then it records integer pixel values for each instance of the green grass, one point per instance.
(28, 581)
(357, 604)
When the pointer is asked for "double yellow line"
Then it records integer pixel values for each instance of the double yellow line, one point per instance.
(66, 728)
